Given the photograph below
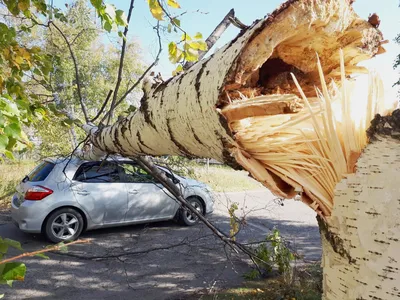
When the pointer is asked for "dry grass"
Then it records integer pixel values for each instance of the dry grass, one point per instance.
(225, 179)
(10, 176)
(307, 285)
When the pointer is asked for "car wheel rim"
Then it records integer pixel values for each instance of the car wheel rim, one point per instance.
(64, 226)
(192, 217)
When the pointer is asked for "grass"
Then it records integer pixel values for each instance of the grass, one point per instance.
(10, 175)
(306, 284)
(225, 179)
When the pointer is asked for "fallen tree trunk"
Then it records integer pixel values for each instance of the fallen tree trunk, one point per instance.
(243, 107)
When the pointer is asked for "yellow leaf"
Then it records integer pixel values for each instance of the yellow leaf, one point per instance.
(19, 59)
(6, 53)
(156, 9)
(185, 37)
(198, 36)
(24, 53)
(173, 4)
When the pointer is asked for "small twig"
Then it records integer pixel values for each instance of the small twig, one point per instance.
(102, 107)
(49, 249)
(78, 83)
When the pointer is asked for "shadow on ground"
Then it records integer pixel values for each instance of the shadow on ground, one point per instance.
(152, 261)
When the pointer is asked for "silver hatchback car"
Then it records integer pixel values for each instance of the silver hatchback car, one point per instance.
(61, 198)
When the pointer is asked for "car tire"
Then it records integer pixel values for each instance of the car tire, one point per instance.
(62, 225)
(188, 219)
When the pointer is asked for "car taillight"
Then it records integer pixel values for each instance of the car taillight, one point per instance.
(37, 192)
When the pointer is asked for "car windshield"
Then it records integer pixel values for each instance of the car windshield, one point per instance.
(41, 172)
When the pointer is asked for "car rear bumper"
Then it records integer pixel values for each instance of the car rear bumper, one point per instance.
(28, 216)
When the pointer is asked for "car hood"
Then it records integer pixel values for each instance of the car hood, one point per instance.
(189, 182)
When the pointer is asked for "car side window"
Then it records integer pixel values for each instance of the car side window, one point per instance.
(98, 172)
(134, 174)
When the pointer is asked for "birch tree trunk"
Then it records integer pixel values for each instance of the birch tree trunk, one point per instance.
(222, 108)
(361, 239)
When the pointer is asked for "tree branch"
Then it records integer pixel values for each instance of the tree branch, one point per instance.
(102, 107)
(214, 36)
(121, 64)
(52, 248)
(78, 83)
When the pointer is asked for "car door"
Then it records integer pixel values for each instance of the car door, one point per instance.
(98, 188)
(147, 199)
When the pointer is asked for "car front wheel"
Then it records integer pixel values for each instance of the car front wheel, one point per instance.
(188, 218)
(65, 224)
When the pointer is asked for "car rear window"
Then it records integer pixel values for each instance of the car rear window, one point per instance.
(41, 172)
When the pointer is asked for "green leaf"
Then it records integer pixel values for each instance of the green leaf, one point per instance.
(3, 141)
(9, 154)
(176, 22)
(9, 106)
(14, 244)
(3, 248)
(198, 36)
(14, 271)
(97, 3)
(173, 3)
(107, 26)
(156, 9)
(11, 143)
(120, 18)
(13, 130)
(42, 256)
(169, 28)
(2, 119)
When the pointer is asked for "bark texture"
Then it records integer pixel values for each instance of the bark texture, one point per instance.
(361, 240)
(182, 116)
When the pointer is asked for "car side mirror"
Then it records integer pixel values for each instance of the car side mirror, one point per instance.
(175, 180)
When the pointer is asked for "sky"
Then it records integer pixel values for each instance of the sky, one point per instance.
(203, 16)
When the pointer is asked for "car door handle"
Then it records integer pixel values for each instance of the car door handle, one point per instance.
(83, 193)
(133, 192)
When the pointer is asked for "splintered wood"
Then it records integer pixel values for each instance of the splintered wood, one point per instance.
(293, 144)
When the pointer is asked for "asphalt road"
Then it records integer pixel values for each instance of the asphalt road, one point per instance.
(161, 260)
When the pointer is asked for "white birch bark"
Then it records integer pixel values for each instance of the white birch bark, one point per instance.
(361, 249)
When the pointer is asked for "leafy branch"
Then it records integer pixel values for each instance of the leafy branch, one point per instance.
(59, 247)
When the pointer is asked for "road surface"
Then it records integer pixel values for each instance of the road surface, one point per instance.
(161, 260)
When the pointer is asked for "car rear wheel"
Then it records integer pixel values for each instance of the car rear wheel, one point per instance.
(188, 218)
(65, 224)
